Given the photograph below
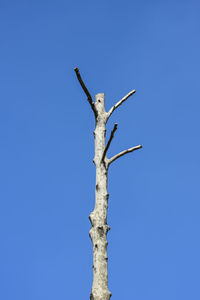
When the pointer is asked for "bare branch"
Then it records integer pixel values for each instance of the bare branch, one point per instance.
(123, 153)
(86, 91)
(119, 103)
(109, 141)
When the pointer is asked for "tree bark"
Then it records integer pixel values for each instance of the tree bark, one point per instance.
(98, 217)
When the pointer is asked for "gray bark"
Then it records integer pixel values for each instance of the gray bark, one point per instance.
(98, 217)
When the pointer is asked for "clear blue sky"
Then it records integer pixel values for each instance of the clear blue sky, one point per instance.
(46, 147)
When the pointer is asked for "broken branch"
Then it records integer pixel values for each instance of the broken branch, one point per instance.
(86, 91)
(109, 141)
(120, 102)
(123, 153)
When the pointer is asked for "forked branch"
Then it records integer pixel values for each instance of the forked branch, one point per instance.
(123, 153)
(109, 141)
(119, 103)
(86, 91)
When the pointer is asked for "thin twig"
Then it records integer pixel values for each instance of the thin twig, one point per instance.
(86, 91)
(109, 141)
(120, 102)
(123, 153)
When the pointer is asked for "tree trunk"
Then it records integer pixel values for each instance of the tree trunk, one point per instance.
(98, 217)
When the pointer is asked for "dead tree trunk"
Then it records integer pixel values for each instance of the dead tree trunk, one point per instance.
(98, 217)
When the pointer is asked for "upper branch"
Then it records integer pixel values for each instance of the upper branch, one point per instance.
(109, 141)
(123, 153)
(120, 102)
(86, 91)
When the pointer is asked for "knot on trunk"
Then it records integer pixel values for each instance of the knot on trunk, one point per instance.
(91, 297)
(106, 196)
(92, 219)
(102, 230)
(102, 296)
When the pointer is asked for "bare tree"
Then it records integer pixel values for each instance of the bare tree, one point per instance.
(98, 217)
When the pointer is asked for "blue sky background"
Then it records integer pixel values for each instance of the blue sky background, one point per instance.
(46, 147)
